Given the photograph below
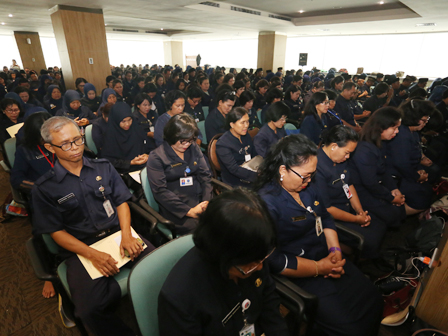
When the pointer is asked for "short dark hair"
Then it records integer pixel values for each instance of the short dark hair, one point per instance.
(292, 89)
(340, 135)
(331, 94)
(381, 88)
(414, 110)
(149, 87)
(79, 80)
(247, 96)
(116, 81)
(348, 86)
(444, 95)
(8, 102)
(419, 92)
(228, 77)
(180, 127)
(225, 95)
(234, 115)
(140, 98)
(239, 84)
(222, 239)
(273, 94)
(261, 83)
(139, 79)
(276, 111)
(106, 109)
(316, 99)
(31, 128)
(379, 121)
(293, 150)
(336, 80)
(171, 97)
(296, 78)
(194, 92)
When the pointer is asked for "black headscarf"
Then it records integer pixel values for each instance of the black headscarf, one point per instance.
(69, 97)
(48, 100)
(121, 144)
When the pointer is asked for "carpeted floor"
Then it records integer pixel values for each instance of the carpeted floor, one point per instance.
(23, 310)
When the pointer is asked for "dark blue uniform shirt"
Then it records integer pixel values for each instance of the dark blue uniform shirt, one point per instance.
(63, 201)
(295, 107)
(231, 155)
(214, 124)
(147, 124)
(345, 110)
(266, 137)
(312, 128)
(83, 113)
(197, 113)
(99, 128)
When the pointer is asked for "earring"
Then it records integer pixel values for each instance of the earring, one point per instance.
(281, 178)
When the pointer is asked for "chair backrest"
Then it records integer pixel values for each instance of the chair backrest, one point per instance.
(289, 126)
(205, 109)
(201, 126)
(213, 158)
(147, 278)
(10, 150)
(147, 190)
(259, 116)
(50, 244)
(253, 132)
(89, 139)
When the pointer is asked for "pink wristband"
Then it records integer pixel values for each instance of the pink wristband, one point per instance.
(334, 249)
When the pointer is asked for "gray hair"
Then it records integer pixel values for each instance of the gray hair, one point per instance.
(54, 124)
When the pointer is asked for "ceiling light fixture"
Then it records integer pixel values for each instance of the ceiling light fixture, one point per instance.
(105, 24)
(301, 11)
(381, 2)
(3, 23)
(161, 28)
(425, 24)
(10, 15)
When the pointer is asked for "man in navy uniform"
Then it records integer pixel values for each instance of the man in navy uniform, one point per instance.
(79, 202)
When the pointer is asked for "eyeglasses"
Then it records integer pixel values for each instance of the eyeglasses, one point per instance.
(326, 103)
(305, 179)
(67, 146)
(243, 272)
(184, 142)
(425, 120)
(12, 111)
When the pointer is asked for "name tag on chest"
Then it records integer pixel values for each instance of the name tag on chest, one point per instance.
(247, 157)
(108, 207)
(186, 181)
(151, 129)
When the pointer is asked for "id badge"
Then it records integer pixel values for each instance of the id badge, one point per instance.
(247, 157)
(196, 120)
(248, 330)
(151, 129)
(186, 181)
(347, 191)
(319, 227)
(108, 207)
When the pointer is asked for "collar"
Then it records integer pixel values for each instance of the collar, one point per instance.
(61, 172)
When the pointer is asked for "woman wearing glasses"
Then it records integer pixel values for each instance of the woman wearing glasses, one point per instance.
(308, 250)
(221, 286)
(12, 114)
(314, 122)
(178, 174)
(405, 155)
(271, 132)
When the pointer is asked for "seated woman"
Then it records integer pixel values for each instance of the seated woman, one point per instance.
(90, 99)
(272, 96)
(193, 104)
(145, 115)
(181, 84)
(377, 190)
(234, 148)
(79, 84)
(53, 99)
(12, 114)
(404, 154)
(247, 102)
(124, 142)
(212, 278)
(260, 90)
(332, 118)
(308, 250)
(239, 88)
(71, 108)
(32, 160)
(339, 195)
(178, 174)
(273, 130)
(294, 102)
(216, 119)
(314, 121)
(204, 84)
(99, 128)
(108, 96)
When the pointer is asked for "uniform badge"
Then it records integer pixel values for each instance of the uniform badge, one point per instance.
(316, 203)
(99, 178)
(258, 282)
(195, 163)
(345, 171)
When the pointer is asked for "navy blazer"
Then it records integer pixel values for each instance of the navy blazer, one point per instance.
(196, 297)
(231, 154)
(197, 113)
(371, 177)
(312, 128)
(345, 110)
(266, 137)
(214, 124)
(295, 107)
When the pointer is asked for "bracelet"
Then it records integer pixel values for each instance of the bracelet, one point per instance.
(317, 269)
(334, 249)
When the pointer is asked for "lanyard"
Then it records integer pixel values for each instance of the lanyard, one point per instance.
(335, 115)
(308, 208)
(51, 163)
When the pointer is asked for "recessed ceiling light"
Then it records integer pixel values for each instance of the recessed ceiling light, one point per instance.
(3, 23)
(381, 2)
(301, 11)
(105, 24)
(10, 15)
(161, 28)
(325, 29)
(425, 25)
